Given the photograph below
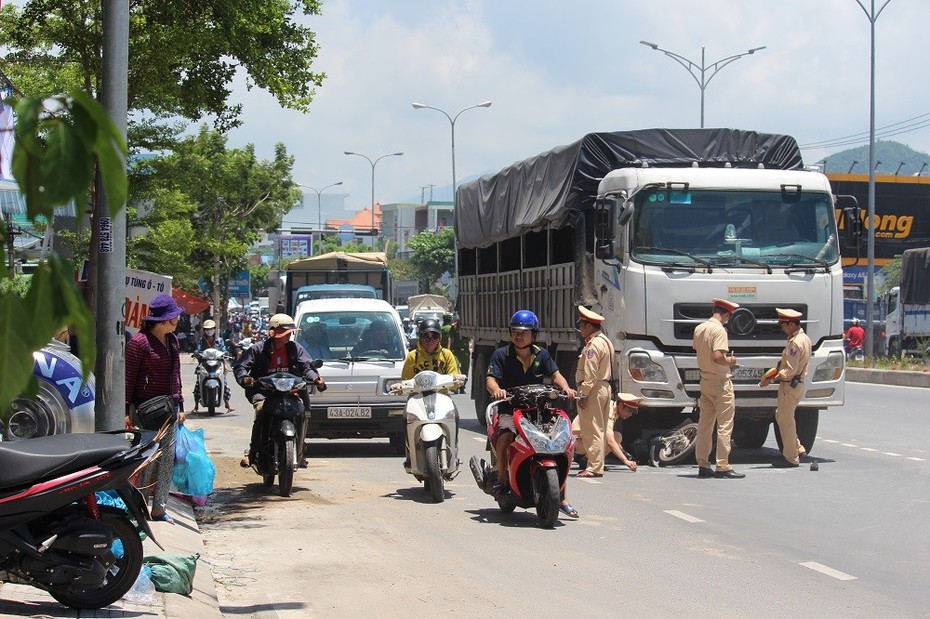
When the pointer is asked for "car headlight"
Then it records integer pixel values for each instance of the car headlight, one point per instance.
(388, 383)
(831, 369)
(644, 369)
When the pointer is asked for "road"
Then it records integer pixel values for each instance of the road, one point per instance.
(359, 535)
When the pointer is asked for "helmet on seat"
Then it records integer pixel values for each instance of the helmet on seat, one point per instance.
(524, 320)
(429, 325)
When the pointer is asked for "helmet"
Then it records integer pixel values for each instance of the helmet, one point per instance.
(237, 327)
(525, 320)
(281, 320)
(855, 321)
(429, 325)
(209, 324)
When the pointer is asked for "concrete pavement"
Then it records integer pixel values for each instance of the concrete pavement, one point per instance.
(181, 537)
(888, 377)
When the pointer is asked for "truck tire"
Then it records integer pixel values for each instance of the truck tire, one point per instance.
(894, 348)
(805, 420)
(481, 396)
(751, 433)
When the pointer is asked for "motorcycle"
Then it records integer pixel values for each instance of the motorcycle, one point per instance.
(540, 456)
(53, 534)
(211, 378)
(432, 432)
(282, 431)
(854, 353)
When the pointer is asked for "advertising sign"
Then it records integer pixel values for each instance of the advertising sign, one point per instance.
(141, 288)
(239, 285)
(294, 245)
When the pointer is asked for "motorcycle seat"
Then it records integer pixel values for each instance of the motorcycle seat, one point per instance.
(32, 460)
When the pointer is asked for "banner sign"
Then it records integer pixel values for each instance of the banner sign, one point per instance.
(238, 285)
(141, 288)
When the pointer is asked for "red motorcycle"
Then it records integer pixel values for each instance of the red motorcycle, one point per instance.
(539, 457)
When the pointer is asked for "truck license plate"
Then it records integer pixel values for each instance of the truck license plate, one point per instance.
(348, 412)
(748, 373)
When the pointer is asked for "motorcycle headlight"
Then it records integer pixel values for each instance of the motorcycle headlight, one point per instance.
(644, 369)
(831, 369)
(556, 442)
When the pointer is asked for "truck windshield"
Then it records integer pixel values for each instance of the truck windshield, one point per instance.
(736, 229)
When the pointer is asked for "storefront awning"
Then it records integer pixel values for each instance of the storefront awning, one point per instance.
(192, 304)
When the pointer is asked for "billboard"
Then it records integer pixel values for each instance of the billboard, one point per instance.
(141, 288)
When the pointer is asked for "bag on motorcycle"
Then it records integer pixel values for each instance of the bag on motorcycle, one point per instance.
(155, 412)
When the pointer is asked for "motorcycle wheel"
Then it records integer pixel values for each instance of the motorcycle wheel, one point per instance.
(211, 410)
(548, 496)
(267, 480)
(286, 462)
(119, 579)
(434, 481)
(678, 447)
(505, 504)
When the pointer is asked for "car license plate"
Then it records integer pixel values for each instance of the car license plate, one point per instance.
(748, 373)
(348, 412)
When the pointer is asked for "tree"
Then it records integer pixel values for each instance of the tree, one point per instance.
(433, 255)
(185, 53)
(892, 273)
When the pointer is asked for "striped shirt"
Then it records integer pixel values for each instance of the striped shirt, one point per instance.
(152, 369)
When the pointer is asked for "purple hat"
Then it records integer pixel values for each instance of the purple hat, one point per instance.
(163, 308)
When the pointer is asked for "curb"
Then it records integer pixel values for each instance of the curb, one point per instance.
(899, 378)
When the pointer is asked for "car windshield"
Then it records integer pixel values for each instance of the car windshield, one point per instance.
(351, 335)
(736, 229)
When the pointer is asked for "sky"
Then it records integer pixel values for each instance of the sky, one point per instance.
(556, 71)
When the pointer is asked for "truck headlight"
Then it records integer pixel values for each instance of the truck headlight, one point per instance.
(644, 369)
(831, 369)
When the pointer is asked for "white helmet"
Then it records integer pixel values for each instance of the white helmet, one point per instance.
(855, 321)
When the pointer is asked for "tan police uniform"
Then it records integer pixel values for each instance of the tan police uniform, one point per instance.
(794, 361)
(717, 403)
(592, 378)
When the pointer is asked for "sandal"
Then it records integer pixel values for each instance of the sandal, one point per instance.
(245, 462)
(163, 518)
(587, 473)
(568, 510)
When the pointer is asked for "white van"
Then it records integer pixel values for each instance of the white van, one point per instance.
(362, 345)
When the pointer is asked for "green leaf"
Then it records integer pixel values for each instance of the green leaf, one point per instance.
(16, 362)
(44, 311)
(110, 149)
(66, 160)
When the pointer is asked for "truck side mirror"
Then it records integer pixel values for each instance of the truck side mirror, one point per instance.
(852, 219)
(605, 210)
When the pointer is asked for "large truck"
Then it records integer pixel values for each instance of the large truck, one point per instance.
(647, 227)
(364, 268)
(907, 307)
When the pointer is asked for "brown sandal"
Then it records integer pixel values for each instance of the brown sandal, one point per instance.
(587, 473)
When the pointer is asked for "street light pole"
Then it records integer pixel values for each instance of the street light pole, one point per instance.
(699, 72)
(319, 207)
(373, 164)
(452, 119)
(870, 265)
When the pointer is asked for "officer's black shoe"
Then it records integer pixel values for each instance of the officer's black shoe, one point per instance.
(781, 463)
(581, 461)
(729, 474)
(704, 472)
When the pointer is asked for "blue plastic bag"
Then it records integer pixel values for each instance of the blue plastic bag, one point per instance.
(193, 470)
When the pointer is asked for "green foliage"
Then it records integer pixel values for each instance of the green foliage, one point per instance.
(892, 274)
(258, 280)
(433, 255)
(184, 53)
(18, 285)
(57, 143)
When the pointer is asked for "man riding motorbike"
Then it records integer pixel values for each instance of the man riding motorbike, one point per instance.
(854, 337)
(210, 340)
(275, 354)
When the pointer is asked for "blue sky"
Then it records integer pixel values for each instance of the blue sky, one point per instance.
(558, 70)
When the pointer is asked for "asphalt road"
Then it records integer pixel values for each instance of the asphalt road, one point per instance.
(360, 536)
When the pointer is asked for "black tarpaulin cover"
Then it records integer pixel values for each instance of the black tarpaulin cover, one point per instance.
(915, 276)
(550, 187)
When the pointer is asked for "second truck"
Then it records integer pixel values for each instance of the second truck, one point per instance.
(646, 227)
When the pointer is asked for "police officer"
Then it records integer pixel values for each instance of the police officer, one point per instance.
(592, 377)
(792, 369)
(717, 403)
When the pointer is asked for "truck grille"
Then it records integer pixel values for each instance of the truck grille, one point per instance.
(751, 322)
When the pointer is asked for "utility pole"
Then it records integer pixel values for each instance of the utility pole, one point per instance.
(110, 246)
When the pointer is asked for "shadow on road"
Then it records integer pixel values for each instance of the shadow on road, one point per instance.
(517, 518)
(350, 448)
(257, 609)
(416, 494)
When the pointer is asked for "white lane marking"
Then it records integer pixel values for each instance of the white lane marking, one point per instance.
(848, 445)
(829, 440)
(682, 515)
(916, 459)
(891, 453)
(829, 571)
(867, 449)
(480, 439)
(588, 480)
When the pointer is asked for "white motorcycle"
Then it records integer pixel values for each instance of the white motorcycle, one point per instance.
(432, 434)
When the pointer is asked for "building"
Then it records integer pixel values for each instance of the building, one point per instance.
(402, 221)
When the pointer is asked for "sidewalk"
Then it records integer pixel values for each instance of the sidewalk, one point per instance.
(888, 377)
(181, 537)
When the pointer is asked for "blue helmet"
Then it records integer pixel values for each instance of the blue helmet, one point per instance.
(525, 320)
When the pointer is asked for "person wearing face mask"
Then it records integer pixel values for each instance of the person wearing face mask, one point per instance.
(210, 340)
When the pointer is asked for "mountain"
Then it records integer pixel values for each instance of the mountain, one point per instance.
(888, 156)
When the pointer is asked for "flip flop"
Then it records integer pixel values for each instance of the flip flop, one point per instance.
(163, 518)
(568, 510)
(587, 473)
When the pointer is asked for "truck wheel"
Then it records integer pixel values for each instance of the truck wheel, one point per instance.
(482, 397)
(894, 348)
(751, 433)
(805, 421)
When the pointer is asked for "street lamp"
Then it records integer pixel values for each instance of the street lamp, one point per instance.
(452, 119)
(870, 264)
(919, 172)
(852, 165)
(900, 165)
(319, 207)
(699, 72)
(877, 163)
(373, 164)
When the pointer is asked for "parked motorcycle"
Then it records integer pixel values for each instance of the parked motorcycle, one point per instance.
(432, 434)
(53, 534)
(540, 456)
(282, 431)
(211, 378)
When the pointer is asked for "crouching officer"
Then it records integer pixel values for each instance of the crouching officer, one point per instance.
(792, 369)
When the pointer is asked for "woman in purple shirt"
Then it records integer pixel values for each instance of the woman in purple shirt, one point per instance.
(153, 368)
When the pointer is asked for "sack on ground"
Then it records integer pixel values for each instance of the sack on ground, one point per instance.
(154, 412)
(173, 572)
(193, 471)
